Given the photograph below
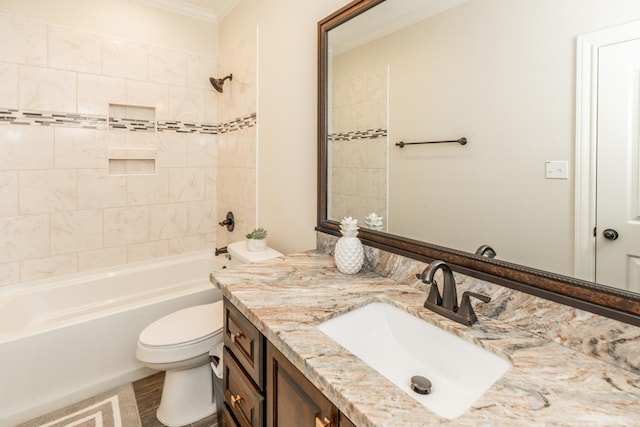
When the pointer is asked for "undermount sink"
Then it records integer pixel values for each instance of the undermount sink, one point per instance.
(400, 346)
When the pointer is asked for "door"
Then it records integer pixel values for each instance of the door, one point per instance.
(292, 401)
(618, 169)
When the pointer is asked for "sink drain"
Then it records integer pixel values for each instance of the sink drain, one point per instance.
(420, 384)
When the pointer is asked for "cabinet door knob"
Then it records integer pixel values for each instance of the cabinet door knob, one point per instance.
(235, 336)
(326, 422)
(235, 400)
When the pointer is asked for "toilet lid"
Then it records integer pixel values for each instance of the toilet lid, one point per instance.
(184, 326)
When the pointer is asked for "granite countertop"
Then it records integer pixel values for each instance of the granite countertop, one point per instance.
(549, 383)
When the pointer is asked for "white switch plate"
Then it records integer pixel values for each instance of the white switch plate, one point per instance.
(557, 169)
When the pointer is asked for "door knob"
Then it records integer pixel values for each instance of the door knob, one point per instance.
(610, 234)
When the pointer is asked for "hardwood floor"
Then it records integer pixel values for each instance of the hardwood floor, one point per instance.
(148, 391)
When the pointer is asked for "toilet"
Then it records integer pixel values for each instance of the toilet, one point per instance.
(180, 343)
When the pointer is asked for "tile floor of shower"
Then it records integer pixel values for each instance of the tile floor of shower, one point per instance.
(148, 391)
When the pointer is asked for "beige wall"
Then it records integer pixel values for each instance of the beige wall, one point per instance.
(122, 19)
(502, 74)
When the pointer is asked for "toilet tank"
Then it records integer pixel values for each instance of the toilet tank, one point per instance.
(239, 252)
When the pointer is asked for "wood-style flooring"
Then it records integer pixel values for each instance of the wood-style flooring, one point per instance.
(148, 391)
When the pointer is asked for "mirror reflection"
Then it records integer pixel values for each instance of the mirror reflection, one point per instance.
(503, 75)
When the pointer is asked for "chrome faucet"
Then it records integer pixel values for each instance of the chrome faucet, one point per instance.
(447, 304)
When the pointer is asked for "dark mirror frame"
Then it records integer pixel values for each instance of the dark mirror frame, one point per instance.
(603, 300)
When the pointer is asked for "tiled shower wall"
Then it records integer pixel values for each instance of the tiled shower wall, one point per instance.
(358, 144)
(60, 211)
(237, 178)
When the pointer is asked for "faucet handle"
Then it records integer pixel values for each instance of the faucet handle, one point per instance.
(466, 309)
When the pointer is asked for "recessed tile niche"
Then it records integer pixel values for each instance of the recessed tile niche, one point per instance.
(131, 140)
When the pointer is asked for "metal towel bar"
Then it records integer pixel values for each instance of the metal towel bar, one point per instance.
(461, 141)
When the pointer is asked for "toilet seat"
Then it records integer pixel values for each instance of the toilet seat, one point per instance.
(182, 335)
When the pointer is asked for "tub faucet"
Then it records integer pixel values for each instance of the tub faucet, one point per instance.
(222, 250)
(447, 304)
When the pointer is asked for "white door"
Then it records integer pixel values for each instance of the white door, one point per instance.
(618, 167)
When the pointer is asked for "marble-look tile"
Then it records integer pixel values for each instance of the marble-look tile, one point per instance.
(47, 191)
(186, 184)
(26, 147)
(376, 85)
(77, 148)
(167, 66)
(149, 94)
(9, 85)
(210, 184)
(23, 42)
(377, 153)
(172, 149)
(202, 217)
(186, 104)
(47, 89)
(211, 107)
(42, 268)
(97, 190)
(9, 273)
(95, 93)
(102, 258)
(201, 150)
(124, 59)
(124, 226)
(372, 183)
(357, 89)
(8, 193)
(148, 189)
(199, 69)
(76, 231)
(23, 237)
(74, 50)
(144, 251)
(168, 221)
(186, 244)
(237, 186)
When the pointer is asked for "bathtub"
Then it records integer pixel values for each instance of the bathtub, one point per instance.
(65, 339)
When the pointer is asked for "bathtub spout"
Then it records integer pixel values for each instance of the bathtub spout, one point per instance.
(222, 250)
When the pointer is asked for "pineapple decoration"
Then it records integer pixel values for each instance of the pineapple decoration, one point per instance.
(349, 254)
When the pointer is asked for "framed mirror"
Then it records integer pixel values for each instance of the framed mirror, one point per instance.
(519, 82)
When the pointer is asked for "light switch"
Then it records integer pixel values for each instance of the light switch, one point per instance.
(557, 169)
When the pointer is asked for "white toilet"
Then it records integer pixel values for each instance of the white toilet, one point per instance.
(179, 344)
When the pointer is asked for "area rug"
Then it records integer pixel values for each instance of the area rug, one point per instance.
(115, 408)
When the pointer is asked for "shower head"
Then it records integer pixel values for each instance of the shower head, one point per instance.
(217, 83)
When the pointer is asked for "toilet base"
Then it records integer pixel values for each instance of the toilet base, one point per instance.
(187, 396)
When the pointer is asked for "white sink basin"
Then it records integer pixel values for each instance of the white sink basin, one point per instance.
(399, 346)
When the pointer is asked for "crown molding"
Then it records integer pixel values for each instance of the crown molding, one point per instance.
(184, 8)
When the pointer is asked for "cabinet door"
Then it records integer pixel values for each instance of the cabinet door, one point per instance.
(244, 400)
(292, 401)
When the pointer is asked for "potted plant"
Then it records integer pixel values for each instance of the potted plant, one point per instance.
(257, 240)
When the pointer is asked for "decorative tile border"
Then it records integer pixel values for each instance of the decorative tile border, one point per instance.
(358, 134)
(88, 121)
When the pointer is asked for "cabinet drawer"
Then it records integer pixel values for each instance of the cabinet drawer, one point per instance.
(244, 400)
(245, 342)
(227, 418)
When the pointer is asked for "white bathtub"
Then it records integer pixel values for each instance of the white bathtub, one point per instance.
(65, 339)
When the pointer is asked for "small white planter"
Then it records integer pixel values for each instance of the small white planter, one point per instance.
(256, 245)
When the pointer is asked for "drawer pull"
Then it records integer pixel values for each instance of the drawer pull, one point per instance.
(326, 422)
(235, 336)
(235, 400)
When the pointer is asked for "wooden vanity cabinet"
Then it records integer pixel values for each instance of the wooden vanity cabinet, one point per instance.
(262, 388)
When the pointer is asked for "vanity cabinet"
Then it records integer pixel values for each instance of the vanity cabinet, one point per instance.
(262, 388)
